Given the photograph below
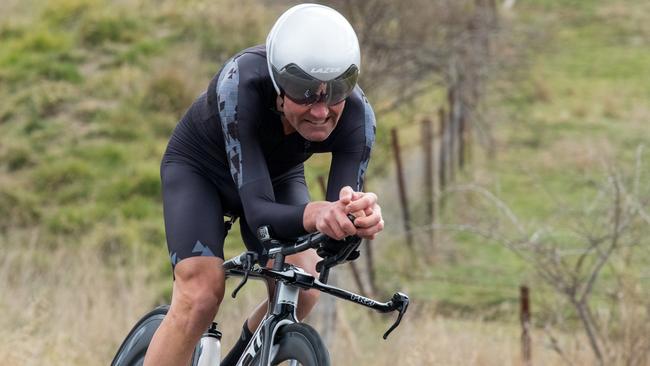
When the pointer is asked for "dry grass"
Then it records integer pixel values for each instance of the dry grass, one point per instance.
(427, 339)
(64, 306)
(67, 307)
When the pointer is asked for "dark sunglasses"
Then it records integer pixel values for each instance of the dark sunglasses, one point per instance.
(303, 88)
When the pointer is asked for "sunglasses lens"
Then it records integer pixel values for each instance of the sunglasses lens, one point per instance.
(341, 87)
(303, 88)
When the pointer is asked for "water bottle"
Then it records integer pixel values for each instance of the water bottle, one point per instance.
(210, 347)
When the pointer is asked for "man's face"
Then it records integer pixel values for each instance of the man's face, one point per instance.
(313, 122)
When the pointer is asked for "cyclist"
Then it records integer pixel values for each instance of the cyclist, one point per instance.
(240, 149)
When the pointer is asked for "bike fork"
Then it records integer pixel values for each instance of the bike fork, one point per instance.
(281, 311)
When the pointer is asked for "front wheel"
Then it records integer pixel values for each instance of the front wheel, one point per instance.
(299, 343)
(134, 347)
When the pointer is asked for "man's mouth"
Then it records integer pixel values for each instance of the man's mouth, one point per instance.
(317, 122)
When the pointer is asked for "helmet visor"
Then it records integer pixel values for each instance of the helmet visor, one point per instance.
(303, 88)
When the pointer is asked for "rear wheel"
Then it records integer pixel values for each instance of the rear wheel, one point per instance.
(300, 344)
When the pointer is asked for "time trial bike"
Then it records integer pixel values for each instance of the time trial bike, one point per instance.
(280, 338)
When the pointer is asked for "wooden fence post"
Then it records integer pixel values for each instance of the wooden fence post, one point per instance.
(442, 158)
(525, 326)
(452, 129)
(427, 151)
(461, 141)
(442, 154)
(402, 189)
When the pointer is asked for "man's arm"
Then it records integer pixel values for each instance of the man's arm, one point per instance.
(239, 101)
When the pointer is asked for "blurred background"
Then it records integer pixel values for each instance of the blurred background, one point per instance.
(511, 164)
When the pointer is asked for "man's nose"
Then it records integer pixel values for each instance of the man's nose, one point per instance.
(319, 110)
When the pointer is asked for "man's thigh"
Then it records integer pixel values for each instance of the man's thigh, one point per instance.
(194, 224)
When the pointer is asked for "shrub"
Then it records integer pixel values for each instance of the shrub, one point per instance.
(43, 41)
(139, 208)
(16, 157)
(122, 124)
(51, 177)
(109, 26)
(144, 183)
(147, 184)
(168, 91)
(69, 220)
(66, 13)
(17, 208)
(137, 52)
(108, 156)
(39, 54)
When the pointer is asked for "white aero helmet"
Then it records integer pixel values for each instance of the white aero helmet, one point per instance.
(313, 55)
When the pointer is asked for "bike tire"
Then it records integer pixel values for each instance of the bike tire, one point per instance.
(135, 345)
(301, 343)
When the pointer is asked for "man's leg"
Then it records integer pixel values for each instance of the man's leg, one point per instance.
(195, 234)
(198, 291)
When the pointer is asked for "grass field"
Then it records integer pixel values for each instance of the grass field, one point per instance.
(90, 91)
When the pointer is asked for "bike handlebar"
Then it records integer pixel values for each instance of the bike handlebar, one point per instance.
(311, 241)
(243, 265)
(278, 247)
(235, 261)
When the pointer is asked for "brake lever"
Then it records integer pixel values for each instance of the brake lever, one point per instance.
(247, 264)
(399, 301)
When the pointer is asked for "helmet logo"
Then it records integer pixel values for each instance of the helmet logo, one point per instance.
(325, 70)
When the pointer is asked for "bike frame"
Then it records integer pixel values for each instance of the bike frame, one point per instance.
(282, 310)
(283, 305)
(289, 280)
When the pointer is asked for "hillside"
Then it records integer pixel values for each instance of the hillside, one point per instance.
(90, 91)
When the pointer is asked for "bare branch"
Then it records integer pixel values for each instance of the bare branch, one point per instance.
(555, 346)
(604, 256)
(571, 258)
(502, 206)
(637, 170)
(590, 328)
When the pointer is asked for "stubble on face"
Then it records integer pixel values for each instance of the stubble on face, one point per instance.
(314, 123)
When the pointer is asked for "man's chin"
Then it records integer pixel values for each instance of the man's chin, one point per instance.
(318, 136)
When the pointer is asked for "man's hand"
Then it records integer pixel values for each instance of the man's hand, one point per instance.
(332, 219)
(364, 207)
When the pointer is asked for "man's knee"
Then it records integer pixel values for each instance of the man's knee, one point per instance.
(198, 289)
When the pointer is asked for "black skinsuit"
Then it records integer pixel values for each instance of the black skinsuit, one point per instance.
(229, 154)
